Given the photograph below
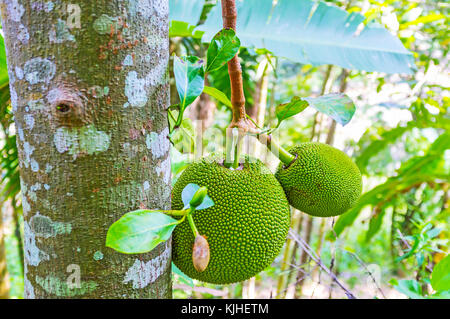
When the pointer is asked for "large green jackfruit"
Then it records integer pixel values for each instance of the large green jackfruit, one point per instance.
(322, 181)
(246, 227)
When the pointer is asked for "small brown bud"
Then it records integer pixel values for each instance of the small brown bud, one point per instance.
(200, 253)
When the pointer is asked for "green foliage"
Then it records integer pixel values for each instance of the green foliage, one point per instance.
(287, 110)
(184, 16)
(223, 47)
(189, 73)
(140, 231)
(415, 171)
(440, 278)
(183, 137)
(220, 79)
(189, 77)
(410, 288)
(315, 34)
(337, 106)
(440, 281)
(218, 95)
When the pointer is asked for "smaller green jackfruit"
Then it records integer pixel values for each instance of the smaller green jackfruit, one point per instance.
(322, 181)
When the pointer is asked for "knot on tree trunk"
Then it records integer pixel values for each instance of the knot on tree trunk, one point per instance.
(68, 106)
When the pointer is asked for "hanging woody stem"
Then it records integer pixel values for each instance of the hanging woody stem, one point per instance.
(229, 16)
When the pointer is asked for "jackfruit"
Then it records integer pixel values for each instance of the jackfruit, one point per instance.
(246, 227)
(322, 181)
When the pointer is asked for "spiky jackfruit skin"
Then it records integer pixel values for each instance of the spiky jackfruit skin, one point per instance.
(246, 227)
(323, 181)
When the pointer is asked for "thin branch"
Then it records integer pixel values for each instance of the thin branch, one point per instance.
(318, 261)
(361, 262)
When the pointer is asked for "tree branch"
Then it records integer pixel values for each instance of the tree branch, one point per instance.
(317, 260)
(229, 16)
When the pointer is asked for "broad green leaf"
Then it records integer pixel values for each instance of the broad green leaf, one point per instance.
(184, 16)
(219, 95)
(314, 32)
(140, 231)
(187, 194)
(410, 288)
(440, 277)
(338, 106)
(287, 110)
(187, 280)
(222, 48)
(189, 77)
(375, 224)
(183, 29)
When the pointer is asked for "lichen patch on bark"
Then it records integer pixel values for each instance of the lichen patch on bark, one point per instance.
(135, 90)
(59, 287)
(158, 143)
(39, 70)
(143, 273)
(80, 141)
(45, 227)
(33, 255)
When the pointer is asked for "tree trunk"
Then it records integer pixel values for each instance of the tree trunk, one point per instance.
(89, 90)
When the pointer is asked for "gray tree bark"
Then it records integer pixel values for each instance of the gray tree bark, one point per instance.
(89, 90)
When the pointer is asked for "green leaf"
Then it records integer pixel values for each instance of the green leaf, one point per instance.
(183, 29)
(183, 138)
(189, 77)
(440, 277)
(287, 110)
(219, 95)
(375, 225)
(387, 137)
(313, 32)
(223, 47)
(434, 232)
(184, 16)
(189, 192)
(140, 231)
(336, 105)
(410, 288)
(207, 202)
